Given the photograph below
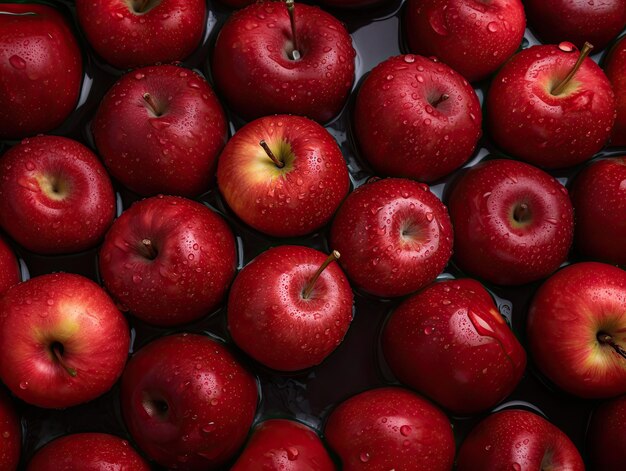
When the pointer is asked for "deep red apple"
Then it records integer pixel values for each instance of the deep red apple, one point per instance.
(40, 69)
(588, 358)
(416, 118)
(607, 435)
(283, 175)
(168, 260)
(9, 267)
(520, 441)
(450, 342)
(473, 37)
(87, 452)
(55, 195)
(187, 402)
(290, 307)
(285, 445)
(551, 106)
(513, 223)
(132, 33)
(64, 340)
(390, 428)
(394, 237)
(598, 22)
(615, 68)
(261, 67)
(159, 130)
(599, 197)
(11, 431)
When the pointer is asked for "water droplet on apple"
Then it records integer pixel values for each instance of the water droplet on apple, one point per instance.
(517, 467)
(492, 27)
(17, 62)
(405, 430)
(292, 453)
(24, 385)
(364, 457)
(566, 46)
(428, 330)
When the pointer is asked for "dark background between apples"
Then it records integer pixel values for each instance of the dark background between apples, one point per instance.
(357, 364)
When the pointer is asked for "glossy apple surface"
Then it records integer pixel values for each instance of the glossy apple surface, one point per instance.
(187, 402)
(159, 130)
(294, 199)
(615, 68)
(168, 260)
(11, 431)
(61, 333)
(416, 118)
(607, 435)
(9, 267)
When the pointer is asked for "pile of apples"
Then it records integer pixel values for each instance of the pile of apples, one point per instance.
(230, 246)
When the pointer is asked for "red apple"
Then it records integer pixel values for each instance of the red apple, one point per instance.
(285, 445)
(9, 267)
(599, 197)
(450, 342)
(588, 358)
(159, 130)
(551, 106)
(291, 188)
(168, 260)
(513, 223)
(290, 307)
(41, 69)
(473, 37)
(187, 402)
(615, 68)
(390, 428)
(394, 237)
(55, 195)
(11, 431)
(261, 67)
(520, 441)
(132, 33)
(417, 118)
(87, 452)
(64, 340)
(607, 435)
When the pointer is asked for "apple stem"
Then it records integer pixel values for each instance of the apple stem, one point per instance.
(586, 50)
(608, 340)
(291, 8)
(154, 107)
(55, 350)
(151, 252)
(306, 292)
(270, 154)
(521, 213)
(441, 99)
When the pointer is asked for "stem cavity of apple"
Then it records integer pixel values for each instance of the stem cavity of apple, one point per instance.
(140, 6)
(521, 213)
(56, 351)
(586, 50)
(150, 250)
(608, 340)
(152, 104)
(270, 154)
(440, 100)
(291, 7)
(308, 289)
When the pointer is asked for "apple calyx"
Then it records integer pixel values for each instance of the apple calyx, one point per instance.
(291, 6)
(149, 250)
(586, 50)
(270, 154)
(308, 288)
(608, 340)
(57, 350)
(152, 104)
(440, 100)
(521, 213)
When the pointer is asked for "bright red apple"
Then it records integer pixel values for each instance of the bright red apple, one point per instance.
(55, 195)
(394, 237)
(607, 435)
(588, 357)
(551, 106)
(168, 260)
(417, 118)
(473, 37)
(159, 130)
(263, 63)
(133, 33)
(283, 175)
(390, 428)
(518, 440)
(290, 307)
(40, 69)
(513, 223)
(11, 431)
(187, 402)
(615, 68)
(9, 267)
(64, 340)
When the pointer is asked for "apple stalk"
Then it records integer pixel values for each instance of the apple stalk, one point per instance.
(608, 340)
(306, 292)
(56, 350)
(149, 250)
(586, 50)
(152, 104)
(291, 8)
(270, 154)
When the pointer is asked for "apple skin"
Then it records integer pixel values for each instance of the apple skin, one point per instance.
(73, 313)
(11, 430)
(599, 197)
(291, 201)
(517, 440)
(615, 68)
(399, 131)
(269, 318)
(474, 38)
(551, 131)
(450, 342)
(253, 46)
(394, 237)
(489, 240)
(286, 445)
(577, 20)
(55, 195)
(590, 298)
(87, 452)
(173, 151)
(41, 70)
(173, 376)
(165, 31)
(189, 273)
(606, 437)
(9, 267)
(390, 428)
